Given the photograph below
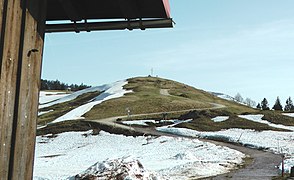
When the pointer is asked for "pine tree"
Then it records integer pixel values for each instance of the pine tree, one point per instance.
(258, 106)
(264, 104)
(278, 106)
(289, 105)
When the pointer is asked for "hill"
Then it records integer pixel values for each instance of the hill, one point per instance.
(157, 95)
(163, 108)
(153, 98)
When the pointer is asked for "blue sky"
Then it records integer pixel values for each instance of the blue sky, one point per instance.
(228, 46)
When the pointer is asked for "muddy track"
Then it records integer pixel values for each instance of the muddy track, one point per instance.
(262, 167)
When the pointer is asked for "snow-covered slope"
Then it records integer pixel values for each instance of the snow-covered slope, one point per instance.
(170, 158)
(78, 93)
(47, 96)
(223, 96)
(112, 91)
(109, 91)
(258, 118)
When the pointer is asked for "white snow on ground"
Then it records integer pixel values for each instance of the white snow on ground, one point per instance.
(114, 90)
(289, 114)
(47, 96)
(277, 142)
(223, 96)
(44, 112)
(144, 122)
(78, 93)
(122, 168)
(220, 118)
(170, 158)
(258, 118)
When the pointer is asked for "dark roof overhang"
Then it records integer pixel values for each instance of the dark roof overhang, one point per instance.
(90, 15)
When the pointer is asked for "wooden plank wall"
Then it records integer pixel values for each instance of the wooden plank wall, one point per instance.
(20, 82)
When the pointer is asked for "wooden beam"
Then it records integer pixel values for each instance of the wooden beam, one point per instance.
(20, 83)
(113, 25)
(9, 60)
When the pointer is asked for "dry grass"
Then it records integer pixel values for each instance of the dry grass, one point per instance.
(202, 122)
(146, 98)
(63, 108)
(278, 118)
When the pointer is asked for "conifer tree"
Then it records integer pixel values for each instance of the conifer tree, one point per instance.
(278, 106)
(289, 105)
(264, 104)
(258, 106)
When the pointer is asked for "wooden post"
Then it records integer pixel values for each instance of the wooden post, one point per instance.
(22, 38)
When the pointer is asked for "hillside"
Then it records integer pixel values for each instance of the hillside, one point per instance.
(78, 131)
(152, 98)
(156, 95)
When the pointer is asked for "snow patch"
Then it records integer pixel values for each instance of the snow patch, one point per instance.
(220, 118)
(258, 118)
(289, 114)
(122, 168)
(47, 96)
(44, 112)
(145, 122)
(114, 90)
(78, 93)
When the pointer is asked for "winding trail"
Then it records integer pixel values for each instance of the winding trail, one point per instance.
(262, 167)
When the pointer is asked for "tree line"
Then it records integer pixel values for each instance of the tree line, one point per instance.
(277, 106)
(264, 105)
(57, 85)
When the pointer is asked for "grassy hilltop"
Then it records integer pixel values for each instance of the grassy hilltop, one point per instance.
(152, 96)
(155, 95)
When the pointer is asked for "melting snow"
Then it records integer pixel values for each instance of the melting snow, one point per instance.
(258, 118)
(78, 93)
(145, 122)
(170, 158)
(122, 168)
(277, 142)
(289, 114)
(220, 118)
(47, 96)
(112, 91)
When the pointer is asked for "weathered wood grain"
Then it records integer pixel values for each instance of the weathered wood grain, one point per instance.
(21, 62)
(8, 81)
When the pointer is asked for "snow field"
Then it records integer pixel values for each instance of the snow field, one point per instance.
(277, 142)
(170, 158)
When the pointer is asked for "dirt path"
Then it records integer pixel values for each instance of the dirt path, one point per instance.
(164, 92)
(263, 166)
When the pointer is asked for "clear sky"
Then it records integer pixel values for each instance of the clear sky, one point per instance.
(227, 46)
